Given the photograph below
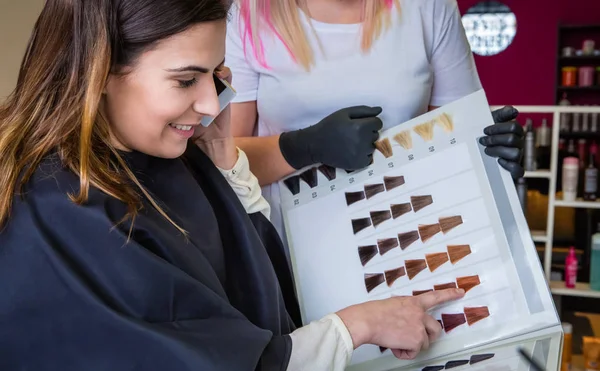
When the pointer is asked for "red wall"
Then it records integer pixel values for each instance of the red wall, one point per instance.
(525, 73)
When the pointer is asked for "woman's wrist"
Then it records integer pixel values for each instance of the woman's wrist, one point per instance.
(222, 151)
(354, 317)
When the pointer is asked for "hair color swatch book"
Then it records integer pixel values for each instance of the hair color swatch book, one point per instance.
(432, 211)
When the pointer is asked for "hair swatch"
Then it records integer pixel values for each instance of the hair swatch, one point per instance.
(448, 223)
(328, 171)
(404, 139)
(476, 314)
(408, 238)
(445, 122)
(386, 244)
(458, 252)
(421, 292)
(441, 323)
(392, 182)
(385, 147)
(372, 280)
(393, 274)
(436, 260)
(310, 177)
(444, 286)
(354, 197)
(433, 368)
(468, 282)
(420, 202)
(476, 358)
(366, 253)
(427, 231)
(379, 217)
(452, 321)
(452, 364)
(360, 224)
(400, 209)
(293, 184)
(349, 171)
(382, 349)
(414, 267)
(425, 131)
(373, 189)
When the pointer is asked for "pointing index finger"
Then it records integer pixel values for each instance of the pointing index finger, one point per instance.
(435, 298)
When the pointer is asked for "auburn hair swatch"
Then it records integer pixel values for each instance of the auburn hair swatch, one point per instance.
(436, 260)
(393, 274)
(354, 197)
(476, 314)
(420, 202)
(310, 177)
(328, 171)
(407, 238)
(366, 253)
(427, 231)
(468, 282)
(392, 182)
(360, 224)
(386, 244)
(420, 292)
(404, 139)
(452, 321)
(372, 280)
(458, 363)
(445, 122)
(476, 358)
(385, 147)
(373, 189)
(378, 217)
(400, 209)
(414, 267)
(293, 184)
(425, 131)
(448, 223)
(444, 286)
(458, 252)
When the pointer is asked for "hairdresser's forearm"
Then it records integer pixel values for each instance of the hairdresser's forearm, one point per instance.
(266, 161)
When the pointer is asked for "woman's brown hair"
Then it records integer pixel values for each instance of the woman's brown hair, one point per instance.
(74, 46)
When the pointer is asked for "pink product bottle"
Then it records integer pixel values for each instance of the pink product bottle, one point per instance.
(571, 269)
(586, 76)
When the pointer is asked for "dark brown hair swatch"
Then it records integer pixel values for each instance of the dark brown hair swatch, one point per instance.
(328, 171)
(400, 209)
(421, 292)
(458, 252)
(354, 197)
(420, 202)
(408, 238)
(433, 368)
(379, 217)
(458, 363)
(468, 282)
(385, 147)
(366, 253)
(382, 349)
(360, 224)
(392, 182)
(310, 177)
(393, 274)
(452, 321)
(436, 260)
(476, 314)
(414, 267)
(293, 184)
(441, 323)
(372, 280)
(373, 189)
(448, 223)
(444, 286)
(476, 358)
(427, 231)
(386, 244)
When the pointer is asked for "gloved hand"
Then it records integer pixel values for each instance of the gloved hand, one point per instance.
(505, 140)
(345, 139)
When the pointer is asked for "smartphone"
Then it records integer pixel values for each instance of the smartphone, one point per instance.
(226, 94)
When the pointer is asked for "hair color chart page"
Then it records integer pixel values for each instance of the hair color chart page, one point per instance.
(431, 212)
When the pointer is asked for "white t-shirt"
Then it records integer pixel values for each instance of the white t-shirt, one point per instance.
(423, 59)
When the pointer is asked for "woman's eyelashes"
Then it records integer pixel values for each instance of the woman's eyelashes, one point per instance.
(187, 83)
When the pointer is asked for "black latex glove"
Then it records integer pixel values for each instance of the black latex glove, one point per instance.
(345, 139)
(505, 140)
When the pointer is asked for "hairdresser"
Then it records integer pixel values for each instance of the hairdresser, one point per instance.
(317, 80)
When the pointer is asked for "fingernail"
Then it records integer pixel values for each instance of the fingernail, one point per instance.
(460, 291)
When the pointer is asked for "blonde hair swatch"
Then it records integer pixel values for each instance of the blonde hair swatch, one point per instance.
(425, 131)
(404, 139)
(385, 147)
(445, 122)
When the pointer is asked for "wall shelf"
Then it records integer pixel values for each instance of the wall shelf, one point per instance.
(580, 290)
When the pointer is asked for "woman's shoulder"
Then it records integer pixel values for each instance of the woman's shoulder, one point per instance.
(433, 10)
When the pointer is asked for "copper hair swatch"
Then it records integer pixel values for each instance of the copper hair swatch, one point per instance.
(436, 260)
(476, 314)
(453, 364)
(366, 253)
(372, 280)
(393, 274)
(425, 131)
(448, 223)
(407, 238)
(328, 171)
(392, 182)
(378, 217)
(476, 358)
(386, 244)
(452, 321)
(400, 209)
(404, 139)
(414, 267)
(445, 122)
(360, 224)
(373, 189)
(354, 197)
(444, 286)
(420, 202)
(468, 282)
(293, 184)
(420, 292)
(427, 231)
(385, 147)
(458, 252)
(310, 177)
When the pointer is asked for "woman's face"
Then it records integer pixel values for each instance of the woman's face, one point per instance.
(155, 107)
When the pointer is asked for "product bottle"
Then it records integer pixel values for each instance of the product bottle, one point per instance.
(595, 261)
(567, 346)
(590, 180)
(565, 118)
(571, 269)
(570, 173)
(529, 150)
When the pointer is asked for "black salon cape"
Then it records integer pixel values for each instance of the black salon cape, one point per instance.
(74, 296)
